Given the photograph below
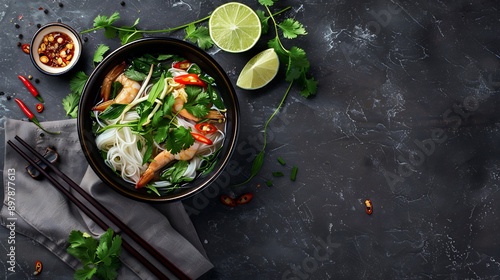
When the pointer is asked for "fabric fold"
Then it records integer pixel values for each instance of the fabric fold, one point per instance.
(47, 216)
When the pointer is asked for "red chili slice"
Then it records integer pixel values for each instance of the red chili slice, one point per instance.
(39, 107)
(205, 128)
(245, 198)
(184, 65)
(201, 138)
(228, 201)
(190, 79)
(26, 48)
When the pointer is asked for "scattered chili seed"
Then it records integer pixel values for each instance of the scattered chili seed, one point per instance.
(39, 107)
(228, 201)
(38, 268)
(30, 77)
(368, 207)
(244, 199)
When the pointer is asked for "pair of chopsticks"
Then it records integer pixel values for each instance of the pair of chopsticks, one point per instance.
(121, 225)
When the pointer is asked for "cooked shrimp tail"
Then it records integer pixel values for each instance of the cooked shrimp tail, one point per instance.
(125, 96)
(179, 108)
(163, 159)
(108, 80)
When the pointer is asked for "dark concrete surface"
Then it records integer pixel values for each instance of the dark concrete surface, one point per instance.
(405, 115)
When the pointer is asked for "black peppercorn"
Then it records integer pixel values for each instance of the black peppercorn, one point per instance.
(38, 25)
(46, 11)
(37, 81)
(17, 25)
(61, 5)
(122, 3)
(20, 36)
(19, 44)
(42, 134)
(2, 93)
(85, 39)
(9, 97)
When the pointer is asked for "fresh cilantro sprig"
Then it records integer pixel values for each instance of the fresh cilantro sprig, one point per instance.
(128, 34)
(98, 257)
(70, 102)
(297, 68)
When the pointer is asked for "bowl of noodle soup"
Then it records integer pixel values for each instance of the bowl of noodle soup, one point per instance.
(158, 120)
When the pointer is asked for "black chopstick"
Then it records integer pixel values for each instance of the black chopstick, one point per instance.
(104, 211)
(108, 214)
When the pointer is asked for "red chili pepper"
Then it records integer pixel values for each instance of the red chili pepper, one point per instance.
(369, 207)
(190, 79)
(25, 48)
(31, 116)
(201, 138)
(184, 65)
(244, 199)
(39, 107)
(205, 128)
(30, 88)
(226, 200)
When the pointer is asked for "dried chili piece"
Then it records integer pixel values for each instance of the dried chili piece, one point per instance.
(368, 207)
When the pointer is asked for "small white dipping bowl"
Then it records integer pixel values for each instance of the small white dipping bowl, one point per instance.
(38, 39)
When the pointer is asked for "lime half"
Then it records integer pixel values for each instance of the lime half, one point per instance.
(259, 70)
(234, 27)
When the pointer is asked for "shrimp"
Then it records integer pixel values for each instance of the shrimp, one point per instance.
(125, 96)
(108, 80)
(178, 107)
(162, 159)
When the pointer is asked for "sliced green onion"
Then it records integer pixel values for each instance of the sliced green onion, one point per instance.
(278, 174)
(281, 161)
(269, 183)
(293, 176)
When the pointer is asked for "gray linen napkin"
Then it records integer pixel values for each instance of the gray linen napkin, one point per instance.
(47, 216)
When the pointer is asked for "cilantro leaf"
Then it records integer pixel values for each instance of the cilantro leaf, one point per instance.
(179, 139)
(99, 53)
(77, 82)
(292, 28)
(200, 36)
(309, 87)
(85, 273)
(264, 21)
(298, 64)
(105, 21)
(99, 258)
(70, 104)
(268, 3)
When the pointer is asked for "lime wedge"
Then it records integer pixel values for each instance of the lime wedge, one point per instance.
(234, 27)
(259, 70)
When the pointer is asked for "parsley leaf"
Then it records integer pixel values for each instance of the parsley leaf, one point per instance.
(77, 82)
(99, 258)
(99, 53)
(292, 28)
(105, 21)
(264, 21)
(200, 36)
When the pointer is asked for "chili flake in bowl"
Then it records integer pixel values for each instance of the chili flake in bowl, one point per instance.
(55, 48)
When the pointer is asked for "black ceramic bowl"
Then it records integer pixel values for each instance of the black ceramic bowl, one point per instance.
(90, 96)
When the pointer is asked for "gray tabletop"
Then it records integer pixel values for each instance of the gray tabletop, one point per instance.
(405, 115)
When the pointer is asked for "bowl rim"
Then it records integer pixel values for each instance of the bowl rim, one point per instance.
(36, 39)
(229, 142)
